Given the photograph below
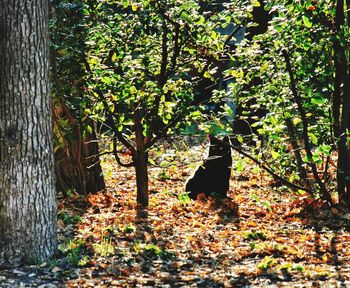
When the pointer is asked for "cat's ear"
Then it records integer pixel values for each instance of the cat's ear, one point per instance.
(226, 139)
(211, 138)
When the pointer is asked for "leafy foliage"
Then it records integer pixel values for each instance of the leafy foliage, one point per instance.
(148, 56)
(139, 64)
(302, 33)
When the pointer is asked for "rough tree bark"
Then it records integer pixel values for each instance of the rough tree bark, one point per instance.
(27, 186)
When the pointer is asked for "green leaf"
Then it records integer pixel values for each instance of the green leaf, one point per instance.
(313, 138)
(125, 3)
(106, 80)
(240, 165)
(255, 3)
(317, 158)
(184, 198)
(129, 228)
(240, 139)
(153, 249)
(299, 267)
(89, 129)
(307, 22)
(326, 149)
(86, 12)
(318, 101)
(201, 20)
(275, 154)
(267, 205)
(134, 7)
(296, 120)
(267, 262)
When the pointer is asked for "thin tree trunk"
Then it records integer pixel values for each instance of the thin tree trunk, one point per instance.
(140, 158)
(27, 186)
(142, 178)
(297, 154)
(94, 177)
(336, 94)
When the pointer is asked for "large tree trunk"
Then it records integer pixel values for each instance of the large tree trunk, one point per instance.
(27, 186)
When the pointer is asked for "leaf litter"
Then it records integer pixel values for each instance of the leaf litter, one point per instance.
(261, 236)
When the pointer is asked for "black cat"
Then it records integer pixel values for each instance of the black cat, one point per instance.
(213, 176)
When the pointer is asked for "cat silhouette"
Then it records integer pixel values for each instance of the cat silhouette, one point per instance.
(213, 176)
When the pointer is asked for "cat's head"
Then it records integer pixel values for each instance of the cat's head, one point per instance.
(217, 148)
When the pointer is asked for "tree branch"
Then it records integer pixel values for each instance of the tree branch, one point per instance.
(117, 158)
(110, 117)
(266, 168)
(296, 150)
(161, 133)
(324, 192)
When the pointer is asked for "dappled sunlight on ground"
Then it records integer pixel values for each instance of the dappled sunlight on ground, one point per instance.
(261, 236)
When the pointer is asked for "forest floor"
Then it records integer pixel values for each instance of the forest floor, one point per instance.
(264, 236)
